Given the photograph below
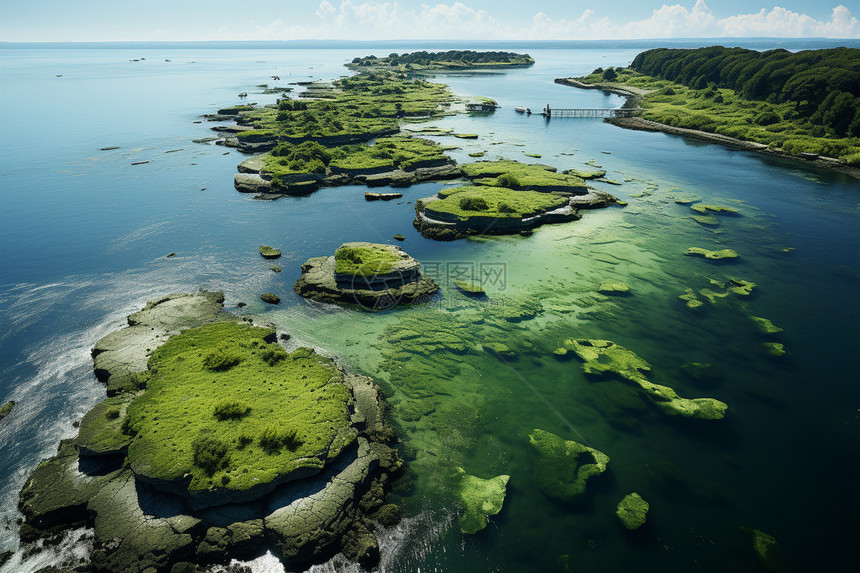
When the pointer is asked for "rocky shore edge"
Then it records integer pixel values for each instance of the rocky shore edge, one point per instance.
(139, 528)
(634, 99)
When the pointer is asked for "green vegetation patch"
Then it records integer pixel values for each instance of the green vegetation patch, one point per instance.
(496, 202)
(791, 102)
(632, 511)
(480, 498)
(711, 255)
(215, 427)
(604, 357)
(563, 467)
(355, 109)
(365, 261)
(525, 176)
(765, 326)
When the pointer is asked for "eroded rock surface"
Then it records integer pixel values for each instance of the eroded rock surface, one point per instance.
(140, 526)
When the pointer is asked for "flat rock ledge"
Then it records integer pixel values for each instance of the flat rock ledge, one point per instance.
(252, 178)
(403, 284)
(141, 527)
(452, 227)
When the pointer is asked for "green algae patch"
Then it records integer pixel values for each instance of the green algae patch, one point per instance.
(632, 511)
(711, 255)
(613, 288)
(364, 261)
(563, 467)
(268, 415)
(604, 357)
(480, 498)
(691, 300)
(469, 288)
(533, 155)
(706, 220)
(492, 202)
(705, 208)
(268, 252)
(765, 326)
(774, 349)
(766, 549)
(466, 135)
(740, 287)
(524, 176)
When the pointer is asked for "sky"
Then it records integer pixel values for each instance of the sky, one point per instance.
(201, 20)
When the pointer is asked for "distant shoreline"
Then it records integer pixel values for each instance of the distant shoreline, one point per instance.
(634, 97)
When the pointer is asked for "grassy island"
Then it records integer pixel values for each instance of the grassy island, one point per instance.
(795, 103)
(231, 410)
(452, 59)
(364, 260)
(322, 139)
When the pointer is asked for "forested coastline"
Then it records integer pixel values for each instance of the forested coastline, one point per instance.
(822, 85)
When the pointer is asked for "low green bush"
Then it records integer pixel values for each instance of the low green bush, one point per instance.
(230, 410)
(473, 204)
(220, 360)
(210, 454)
(272, 440)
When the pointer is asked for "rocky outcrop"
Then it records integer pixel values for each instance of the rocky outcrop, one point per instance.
(140, 526)
(449, 227)
(399, 283)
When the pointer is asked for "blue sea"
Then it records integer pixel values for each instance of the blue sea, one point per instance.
(84, 236)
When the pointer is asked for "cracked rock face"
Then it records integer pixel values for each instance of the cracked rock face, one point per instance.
(139, 527)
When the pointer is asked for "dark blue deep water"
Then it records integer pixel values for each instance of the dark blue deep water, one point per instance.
(84, 234)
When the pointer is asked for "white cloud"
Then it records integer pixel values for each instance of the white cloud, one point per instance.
(677, 21)
(375, 19)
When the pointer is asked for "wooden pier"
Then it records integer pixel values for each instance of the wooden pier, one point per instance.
(590, 112)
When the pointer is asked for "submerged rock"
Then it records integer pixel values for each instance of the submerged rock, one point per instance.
(480, 498)
(604, 357)
(371, 275)
(268, 252)
(711, 255)
(632, 511)
(270, 298)
(563, 467)
(240, 469)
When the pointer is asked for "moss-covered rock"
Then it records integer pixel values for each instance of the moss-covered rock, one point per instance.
(563, 467)
(270, 298)
(480, 498)
(722, 254)
(268, 252)
(615, 288)
(604, 357)
(632, 511)
(704, 208)
(373, 276)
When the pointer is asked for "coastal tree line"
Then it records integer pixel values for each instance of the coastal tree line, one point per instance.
(462, 57)
(823, 85)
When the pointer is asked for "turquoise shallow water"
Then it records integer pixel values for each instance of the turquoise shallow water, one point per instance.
(83, 235)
